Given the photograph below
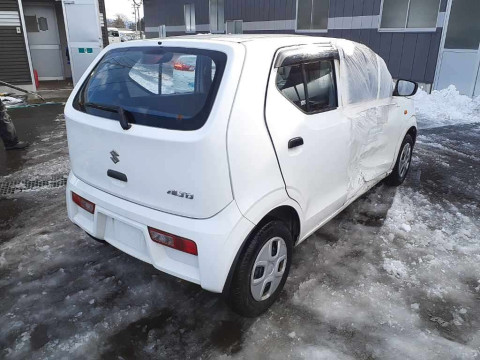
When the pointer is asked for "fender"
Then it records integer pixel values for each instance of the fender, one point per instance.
(411, 122)
(255, 215)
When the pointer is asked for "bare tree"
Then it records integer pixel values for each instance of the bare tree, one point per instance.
(120, 21)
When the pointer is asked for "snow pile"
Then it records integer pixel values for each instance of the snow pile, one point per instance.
(445, 107)
(9, 100)
(395, 268)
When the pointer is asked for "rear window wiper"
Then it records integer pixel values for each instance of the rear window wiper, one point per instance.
(112, 108)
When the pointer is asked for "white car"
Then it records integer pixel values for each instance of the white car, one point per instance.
(113, 35)
(218, 184)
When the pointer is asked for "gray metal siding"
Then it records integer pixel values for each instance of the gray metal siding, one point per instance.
(14, 67)
(411, 55)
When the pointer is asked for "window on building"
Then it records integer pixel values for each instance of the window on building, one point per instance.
(410, 14)
(217, 16)
(309, 86)
(31, 23)
(312, 14)
(189, 10)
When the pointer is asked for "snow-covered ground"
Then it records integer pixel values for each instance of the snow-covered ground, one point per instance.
(394, 276)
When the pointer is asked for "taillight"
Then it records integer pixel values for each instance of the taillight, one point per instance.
(83, 203)
(173, 241)
(183, 67)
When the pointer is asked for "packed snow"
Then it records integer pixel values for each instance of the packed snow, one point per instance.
(10, 100)
(394, 276)
(445, 107)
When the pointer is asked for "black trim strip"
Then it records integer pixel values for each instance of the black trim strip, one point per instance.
(305, 54)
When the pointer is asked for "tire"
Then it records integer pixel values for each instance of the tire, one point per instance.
(249, 293)
(402, 166)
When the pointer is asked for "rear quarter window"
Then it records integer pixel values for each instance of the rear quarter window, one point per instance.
(164, 87)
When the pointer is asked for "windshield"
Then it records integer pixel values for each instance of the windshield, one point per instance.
(171, 88)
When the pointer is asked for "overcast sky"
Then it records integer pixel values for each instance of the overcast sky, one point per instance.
(121, 7)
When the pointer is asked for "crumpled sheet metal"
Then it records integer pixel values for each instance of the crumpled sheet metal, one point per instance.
(366, 88)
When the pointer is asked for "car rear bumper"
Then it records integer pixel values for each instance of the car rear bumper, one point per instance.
(124, 225)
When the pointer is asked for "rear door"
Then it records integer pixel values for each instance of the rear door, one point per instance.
(309, 132)
(44, 41)
(84, 34)
(172, 155)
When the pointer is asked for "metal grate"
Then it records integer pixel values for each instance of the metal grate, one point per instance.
(17, 186)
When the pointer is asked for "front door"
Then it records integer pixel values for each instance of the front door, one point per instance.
(311, 137)
(44, 41)
(460, 56)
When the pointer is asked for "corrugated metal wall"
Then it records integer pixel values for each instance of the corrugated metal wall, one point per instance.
(409, 55)
(14, 67)
(103, 20)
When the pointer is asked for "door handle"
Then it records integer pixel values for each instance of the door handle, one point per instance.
(298, 141)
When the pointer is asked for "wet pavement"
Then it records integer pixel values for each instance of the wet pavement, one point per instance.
(394, 276)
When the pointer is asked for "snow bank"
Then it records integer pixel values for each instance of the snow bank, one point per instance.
(445, 107)
(8, 100)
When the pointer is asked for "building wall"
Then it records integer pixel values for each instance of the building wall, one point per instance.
(409, 55)
(103, 22)
(14, 66)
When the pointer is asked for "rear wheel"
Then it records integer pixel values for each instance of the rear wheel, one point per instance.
(402, 165)
(262, 270)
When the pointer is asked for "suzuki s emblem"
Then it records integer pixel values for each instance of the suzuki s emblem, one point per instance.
(114, 157)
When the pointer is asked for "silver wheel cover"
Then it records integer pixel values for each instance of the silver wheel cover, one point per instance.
(268, 269)
(404, 162)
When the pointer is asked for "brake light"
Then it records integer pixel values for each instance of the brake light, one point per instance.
(183, 67)
(83, 203)
(173, 241)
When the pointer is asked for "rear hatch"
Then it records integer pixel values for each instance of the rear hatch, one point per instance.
(149, 123)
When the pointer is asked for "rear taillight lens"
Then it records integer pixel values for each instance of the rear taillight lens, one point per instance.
(173, 241)
(83, 203)
(183, 67)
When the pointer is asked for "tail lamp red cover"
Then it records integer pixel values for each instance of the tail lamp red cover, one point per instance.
(83, 203)
(173, 241)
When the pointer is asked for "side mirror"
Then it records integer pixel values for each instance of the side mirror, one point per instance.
(405, 88)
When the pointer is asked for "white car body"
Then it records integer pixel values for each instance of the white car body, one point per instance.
(234, 170)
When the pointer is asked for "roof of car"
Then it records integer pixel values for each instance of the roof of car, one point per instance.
(243, 38)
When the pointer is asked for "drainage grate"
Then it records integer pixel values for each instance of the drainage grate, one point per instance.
(16, 186)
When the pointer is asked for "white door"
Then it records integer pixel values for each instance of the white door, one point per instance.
(311, 137)
(84, 34)
(460, 54)
(44, 41)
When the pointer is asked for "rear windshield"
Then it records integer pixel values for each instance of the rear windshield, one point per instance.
(164, 87)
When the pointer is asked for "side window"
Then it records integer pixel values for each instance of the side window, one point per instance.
(320, 86)
(310, 86)
(291, 85)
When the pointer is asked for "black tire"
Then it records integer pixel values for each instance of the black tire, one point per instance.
(239, 296)
(96, 239)
(396, 178)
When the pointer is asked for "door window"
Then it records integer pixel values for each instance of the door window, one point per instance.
(463, 30)
(310, 87)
